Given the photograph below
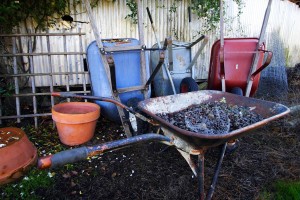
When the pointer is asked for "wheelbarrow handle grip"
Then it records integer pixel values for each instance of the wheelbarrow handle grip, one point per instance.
(149, 14)
(190, 13)
(62, 158)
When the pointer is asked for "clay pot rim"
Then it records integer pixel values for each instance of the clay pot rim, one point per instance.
(70, 118)
(13, 129)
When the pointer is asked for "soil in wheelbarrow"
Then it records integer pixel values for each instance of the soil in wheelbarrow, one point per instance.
(212, 118)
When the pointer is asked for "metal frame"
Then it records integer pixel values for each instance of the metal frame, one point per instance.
(259, 44)
(49, 76)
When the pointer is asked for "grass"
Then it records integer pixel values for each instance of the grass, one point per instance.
(36, 180)
(282, 190)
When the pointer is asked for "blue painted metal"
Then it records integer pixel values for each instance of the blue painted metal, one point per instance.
(181, 60)
(128, 74)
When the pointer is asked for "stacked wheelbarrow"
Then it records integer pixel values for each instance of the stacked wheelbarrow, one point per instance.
(236, 63)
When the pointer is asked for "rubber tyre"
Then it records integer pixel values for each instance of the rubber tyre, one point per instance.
(237, 91)
(188, 84)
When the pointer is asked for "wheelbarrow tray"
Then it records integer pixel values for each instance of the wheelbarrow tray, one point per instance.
(238, 58)
(173, 103)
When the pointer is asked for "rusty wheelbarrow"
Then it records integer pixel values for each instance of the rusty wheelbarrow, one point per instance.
(186, 142)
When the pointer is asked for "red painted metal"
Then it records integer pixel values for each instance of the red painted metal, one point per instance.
(238, 57)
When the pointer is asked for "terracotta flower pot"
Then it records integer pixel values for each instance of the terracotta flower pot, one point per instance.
(17, 154)
(75, 121)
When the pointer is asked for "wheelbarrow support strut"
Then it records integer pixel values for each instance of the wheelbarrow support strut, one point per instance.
(198, 170)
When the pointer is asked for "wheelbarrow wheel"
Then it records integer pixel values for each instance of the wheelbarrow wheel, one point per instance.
(237, 90)
(188, 84)
(232, 146)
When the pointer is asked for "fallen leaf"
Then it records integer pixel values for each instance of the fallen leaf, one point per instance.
(67, 175)
(74, 172)
(73, 184)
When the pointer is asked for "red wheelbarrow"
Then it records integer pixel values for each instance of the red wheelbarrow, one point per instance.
(230, 65)
(236, 63)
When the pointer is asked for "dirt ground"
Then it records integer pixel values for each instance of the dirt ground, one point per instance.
(155, 171)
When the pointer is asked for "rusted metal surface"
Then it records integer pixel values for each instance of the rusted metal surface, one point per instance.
(79, 154)
(200, 175)
(216, 174)
(181, 143)
(44, 162)
(168, 104)
(188, 159)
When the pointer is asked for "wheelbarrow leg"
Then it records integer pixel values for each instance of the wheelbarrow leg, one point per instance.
(217, 171)
(201, 175)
